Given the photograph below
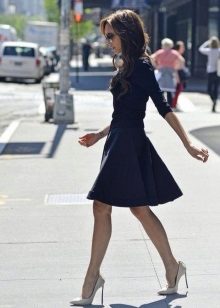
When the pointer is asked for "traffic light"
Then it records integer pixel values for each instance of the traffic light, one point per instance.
(78, 10)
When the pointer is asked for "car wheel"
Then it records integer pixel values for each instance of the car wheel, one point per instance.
(38, 80)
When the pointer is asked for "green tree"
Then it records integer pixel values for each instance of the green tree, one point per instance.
(82, 29)
(52, 10)
(16, 21)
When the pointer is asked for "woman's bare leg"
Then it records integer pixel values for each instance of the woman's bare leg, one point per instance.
(101, 236)
(158, 236)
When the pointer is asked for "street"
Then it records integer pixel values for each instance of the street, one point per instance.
(18, 100)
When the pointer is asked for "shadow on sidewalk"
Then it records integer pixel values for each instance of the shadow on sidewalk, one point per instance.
(23, 148)
(56, 140)
(156, 304)
(166, 302)
(209, 136)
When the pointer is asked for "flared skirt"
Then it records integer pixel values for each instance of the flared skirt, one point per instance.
(132, 173)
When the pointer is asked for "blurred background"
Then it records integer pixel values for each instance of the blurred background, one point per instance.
(191, 21)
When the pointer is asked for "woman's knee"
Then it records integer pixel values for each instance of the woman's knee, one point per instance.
(140, 211)
(100, 208)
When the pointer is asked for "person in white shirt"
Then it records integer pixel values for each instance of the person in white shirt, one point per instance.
(211, 49)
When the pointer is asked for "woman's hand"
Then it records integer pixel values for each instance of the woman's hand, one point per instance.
(89, 139)
(202, 154)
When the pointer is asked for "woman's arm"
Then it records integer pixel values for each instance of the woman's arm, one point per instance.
(180, 63)
(200, 154)
(90, 139)
(204, 48)
(104, 132)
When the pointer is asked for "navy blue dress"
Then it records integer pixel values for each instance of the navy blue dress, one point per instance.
(132, 173)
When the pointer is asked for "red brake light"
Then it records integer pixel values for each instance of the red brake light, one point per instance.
(37, 62)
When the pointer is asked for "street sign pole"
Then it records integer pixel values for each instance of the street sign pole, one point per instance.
(77, 15)
(64, 108)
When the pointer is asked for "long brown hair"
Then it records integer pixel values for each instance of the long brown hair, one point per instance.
(130, 29)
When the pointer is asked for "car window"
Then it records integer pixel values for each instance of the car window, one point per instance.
(19, 51)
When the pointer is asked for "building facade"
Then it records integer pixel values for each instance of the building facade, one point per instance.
(27, 7)
(4, 6)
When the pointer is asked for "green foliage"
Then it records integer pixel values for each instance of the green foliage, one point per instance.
(16, 21)
(76, 30)
(81, 29)
(52, 10)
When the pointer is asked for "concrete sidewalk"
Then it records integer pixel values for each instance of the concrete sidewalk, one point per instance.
(46, 222)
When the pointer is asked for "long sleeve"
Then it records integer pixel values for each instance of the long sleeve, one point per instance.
(204, 48)
(146, 79)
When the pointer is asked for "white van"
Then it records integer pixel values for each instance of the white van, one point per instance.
(21, 60)
(7, 33)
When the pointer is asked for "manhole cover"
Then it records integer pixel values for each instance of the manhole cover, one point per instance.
(66, 199)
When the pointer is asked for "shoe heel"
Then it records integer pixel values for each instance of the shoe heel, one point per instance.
(102, 296)
(186, 281)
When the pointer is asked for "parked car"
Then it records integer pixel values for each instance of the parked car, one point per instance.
(51, 59)
(21, 60)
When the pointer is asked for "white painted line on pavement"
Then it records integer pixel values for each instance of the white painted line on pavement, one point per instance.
(7, 134)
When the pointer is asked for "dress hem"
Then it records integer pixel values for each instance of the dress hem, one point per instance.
(136, 203)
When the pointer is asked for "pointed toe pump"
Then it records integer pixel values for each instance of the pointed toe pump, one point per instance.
(88, 301)
(171, 290)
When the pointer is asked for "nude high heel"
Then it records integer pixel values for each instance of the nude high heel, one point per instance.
(181, 271)
(88, 301)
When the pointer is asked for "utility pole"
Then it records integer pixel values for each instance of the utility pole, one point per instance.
(64, 109)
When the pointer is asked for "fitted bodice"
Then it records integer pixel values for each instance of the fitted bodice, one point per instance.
(129, 109)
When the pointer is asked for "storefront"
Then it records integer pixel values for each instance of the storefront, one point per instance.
(193, 22)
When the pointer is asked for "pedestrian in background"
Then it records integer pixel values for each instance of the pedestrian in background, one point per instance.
(211, 49)
(167, 61)
(182, 72)
(132, 175)
(86, 50)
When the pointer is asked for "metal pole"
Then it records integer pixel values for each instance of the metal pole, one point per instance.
(78, 51)
(155, 28)
(63, 109)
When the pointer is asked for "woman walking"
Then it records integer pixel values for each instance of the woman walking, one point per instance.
(182, 73)
(167, 61)
(132, 175)
(211, 49)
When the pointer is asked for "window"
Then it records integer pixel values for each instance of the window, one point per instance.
(19, 51)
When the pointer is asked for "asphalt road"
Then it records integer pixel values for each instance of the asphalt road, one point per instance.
(18, 100)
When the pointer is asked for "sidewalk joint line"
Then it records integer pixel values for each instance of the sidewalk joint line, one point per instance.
(151, 259)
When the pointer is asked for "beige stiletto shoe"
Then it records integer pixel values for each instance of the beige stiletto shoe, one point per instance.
(181, 271)
(88, 301)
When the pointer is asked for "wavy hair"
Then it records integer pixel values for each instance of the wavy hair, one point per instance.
(130, 29)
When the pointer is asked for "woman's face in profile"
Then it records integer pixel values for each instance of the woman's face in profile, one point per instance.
(112, 39)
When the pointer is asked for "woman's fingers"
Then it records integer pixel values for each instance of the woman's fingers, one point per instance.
(86, 140)
(205, 154)
(202, 154)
